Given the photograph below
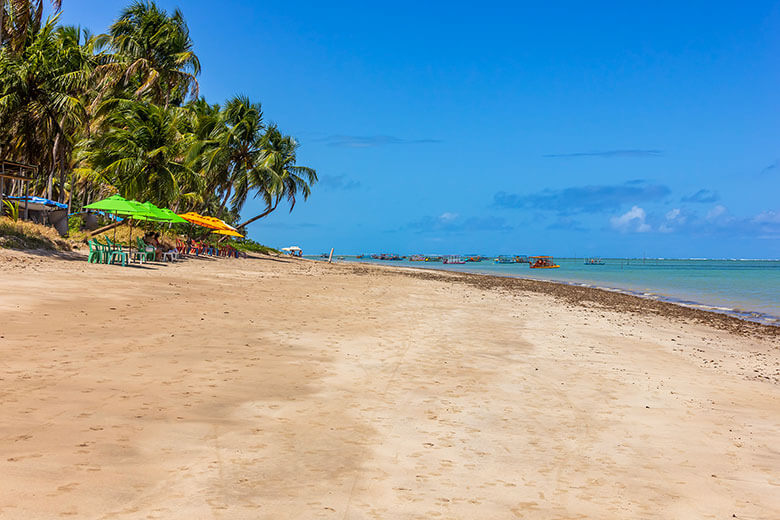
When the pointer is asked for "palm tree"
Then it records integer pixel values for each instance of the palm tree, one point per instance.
(142, 153)
(40, 96)
(232, 146)
(155, 53)
(18, 15)
(278, 178)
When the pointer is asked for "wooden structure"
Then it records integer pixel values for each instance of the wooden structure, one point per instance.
(16, 173)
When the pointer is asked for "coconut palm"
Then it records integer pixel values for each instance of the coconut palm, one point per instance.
(40, 96)
(142, 153)
(278, 178)
(16, 16)
(154, 53)
(232, 146)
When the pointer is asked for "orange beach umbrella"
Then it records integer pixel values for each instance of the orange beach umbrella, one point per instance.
(228, 232)
(206, 222)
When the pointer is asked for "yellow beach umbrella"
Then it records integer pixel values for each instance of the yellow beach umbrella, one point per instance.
(228, 232)
(204, 221)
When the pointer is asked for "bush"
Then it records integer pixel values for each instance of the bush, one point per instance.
(26, 235)
(253, 247)
(75, 223)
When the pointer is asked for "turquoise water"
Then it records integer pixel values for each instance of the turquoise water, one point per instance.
(749, 289)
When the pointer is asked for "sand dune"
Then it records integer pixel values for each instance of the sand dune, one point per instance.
(273, 388)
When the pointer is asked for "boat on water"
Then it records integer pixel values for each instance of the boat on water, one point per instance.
(474, 258)
(433, 259)
(454, 259)
(594, 261)
(389, 256)
(522, 259)
(505, 259)
(543, 262)
(417, 258)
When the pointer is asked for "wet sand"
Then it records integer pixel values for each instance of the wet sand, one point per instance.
(275, 388)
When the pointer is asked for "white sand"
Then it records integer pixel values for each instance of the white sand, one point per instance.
(292, 389)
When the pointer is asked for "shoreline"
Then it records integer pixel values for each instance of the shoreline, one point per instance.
(746, 316)
(579, 292)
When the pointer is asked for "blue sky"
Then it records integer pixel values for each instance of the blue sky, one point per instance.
(597, 128)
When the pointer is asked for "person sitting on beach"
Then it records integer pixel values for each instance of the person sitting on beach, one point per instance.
(151, 243)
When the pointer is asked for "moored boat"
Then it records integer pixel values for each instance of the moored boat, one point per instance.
(505, 259)
(454, 259)
(543, 262)
(417, 258)
(594, 261)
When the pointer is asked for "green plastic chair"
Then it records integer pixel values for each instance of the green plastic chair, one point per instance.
(95, 253)
(113, 251)
(142, 247)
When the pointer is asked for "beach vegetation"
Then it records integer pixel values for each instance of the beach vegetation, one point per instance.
(19, 234)
(11, 209)
(120, 112)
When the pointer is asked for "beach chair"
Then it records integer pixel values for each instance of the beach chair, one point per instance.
(149, 251)
(95, 252)
(112, 252)
(104, 250)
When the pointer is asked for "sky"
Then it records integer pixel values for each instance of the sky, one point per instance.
(581, 128)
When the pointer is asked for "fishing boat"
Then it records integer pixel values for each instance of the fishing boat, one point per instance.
(389, 256)
(474, 258)
(454, 259)
(594, 261)
(505, 259)
(543, 262)
(417, 258)
(433, 259)
(522, 259)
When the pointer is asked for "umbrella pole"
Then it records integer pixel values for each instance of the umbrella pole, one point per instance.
(130, 243)
(116, 217)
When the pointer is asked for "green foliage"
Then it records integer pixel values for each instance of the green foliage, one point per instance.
(252, 246)
(75, 223)
(118, 112)
(11, 209)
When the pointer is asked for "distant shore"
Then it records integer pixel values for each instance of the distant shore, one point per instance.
(276, 387)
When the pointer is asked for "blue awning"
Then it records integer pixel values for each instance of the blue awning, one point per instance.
(40, 200)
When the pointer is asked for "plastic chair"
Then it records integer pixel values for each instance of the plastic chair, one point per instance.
(95, 253)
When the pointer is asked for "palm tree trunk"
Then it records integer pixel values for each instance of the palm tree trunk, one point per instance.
(61, 195)
(225, 199)
(107, 228)
(261, 215)
(50, 182)
(2, 20)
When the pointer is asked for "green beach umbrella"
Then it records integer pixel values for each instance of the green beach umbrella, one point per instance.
(118, 205)
(173, 217)
(153, 213)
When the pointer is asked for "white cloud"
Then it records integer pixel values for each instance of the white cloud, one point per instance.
(632, 220)
(673, 214)
(716, 212)
(767, 217)
(447, 216)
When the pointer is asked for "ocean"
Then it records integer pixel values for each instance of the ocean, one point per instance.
(748, 289)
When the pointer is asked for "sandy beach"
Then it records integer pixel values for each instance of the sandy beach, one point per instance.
(277, 388)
